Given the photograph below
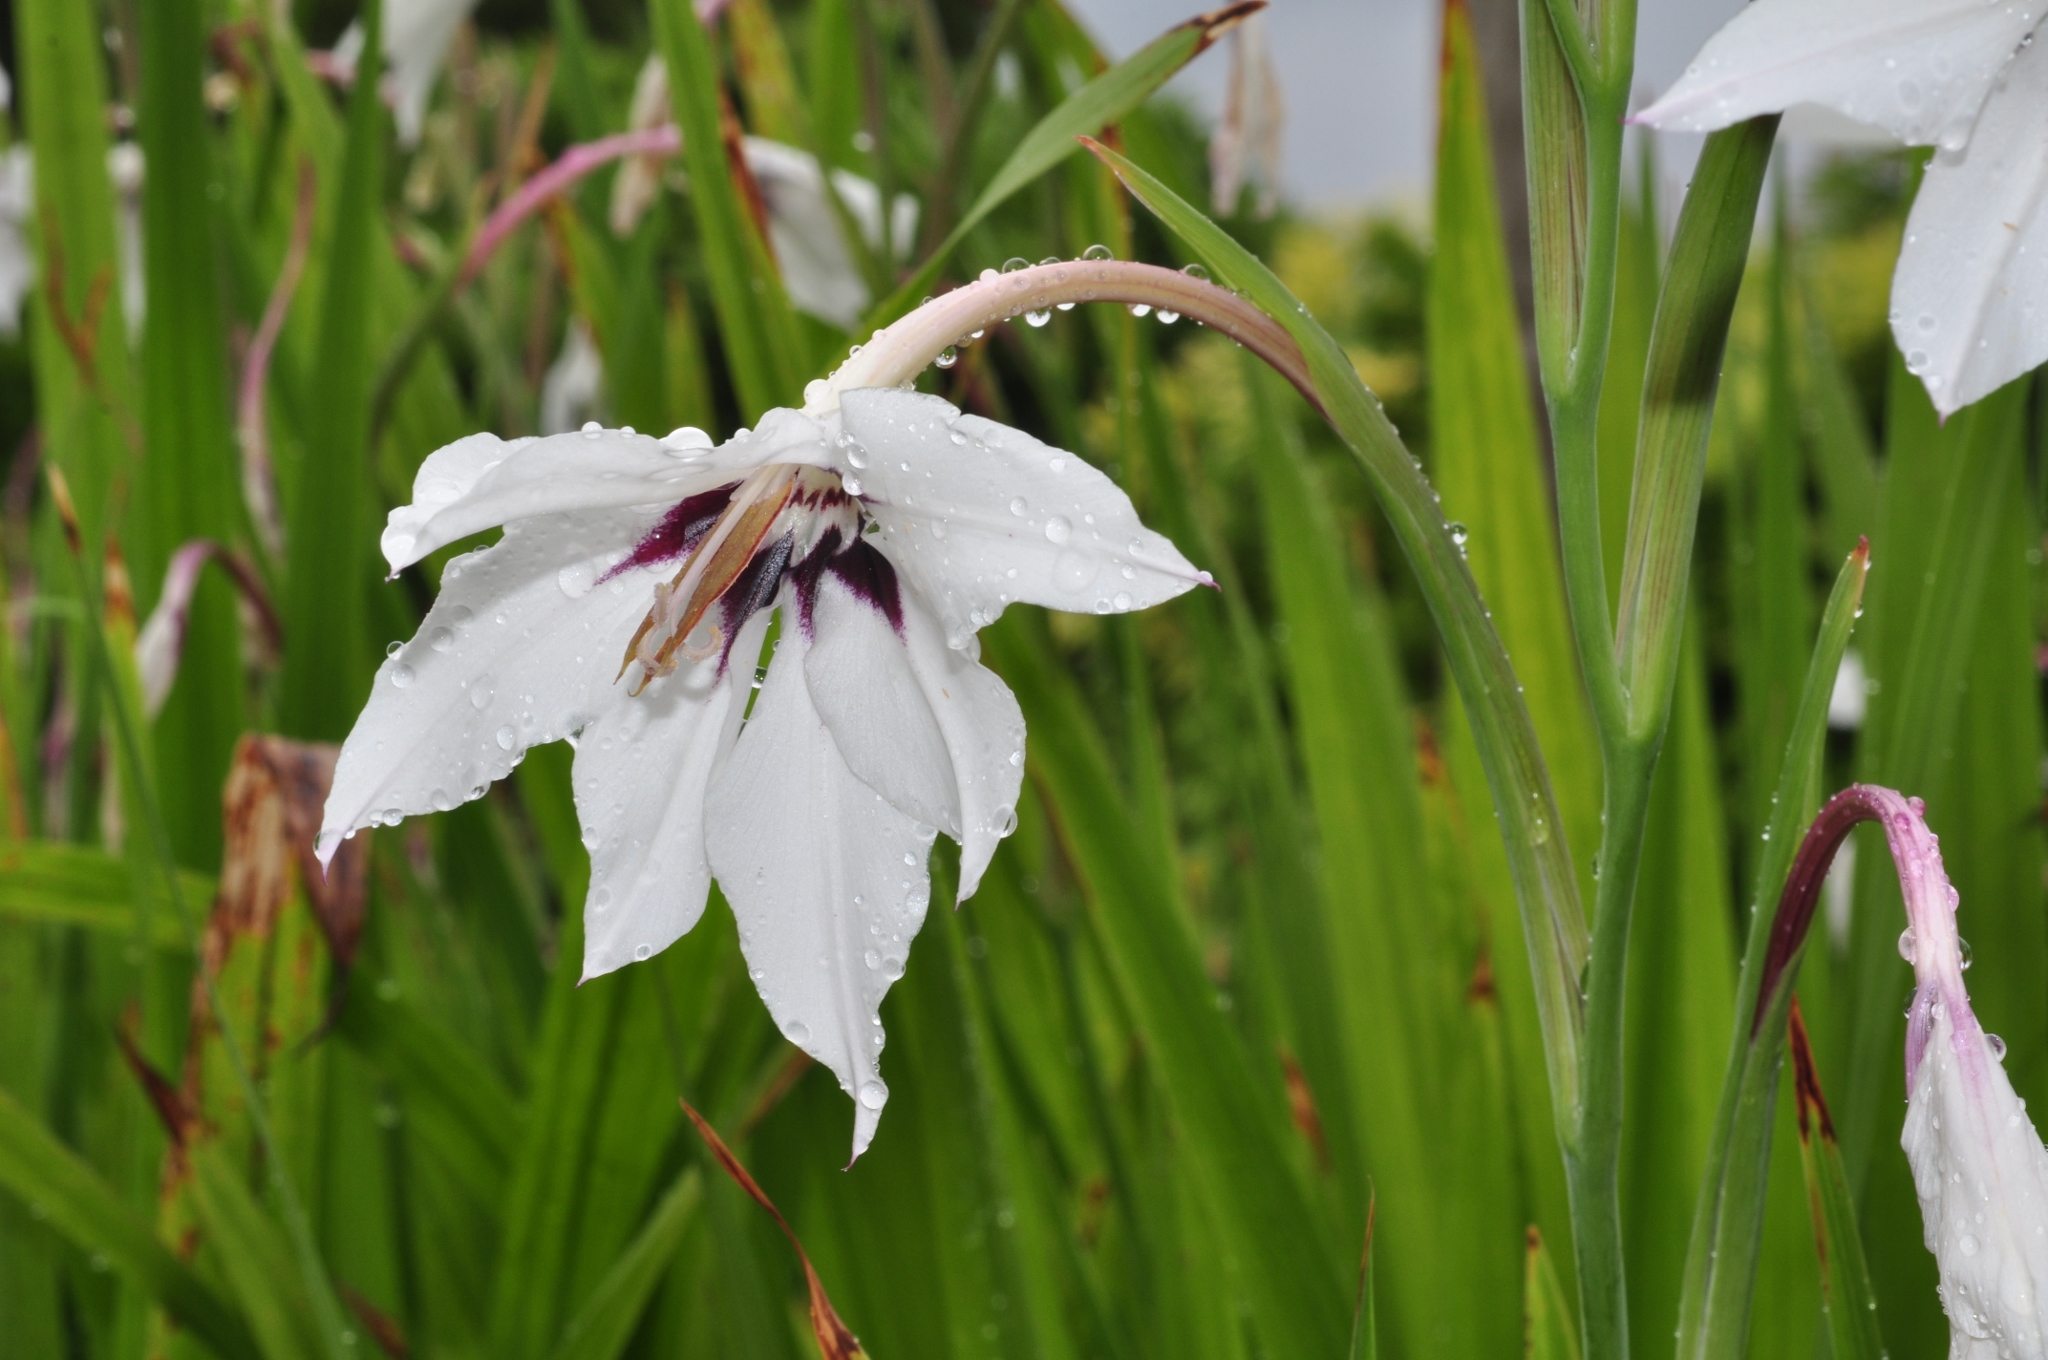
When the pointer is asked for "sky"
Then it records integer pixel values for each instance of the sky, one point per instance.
(1359, 79)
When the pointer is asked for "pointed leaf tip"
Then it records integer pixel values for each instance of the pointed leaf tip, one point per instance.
(1218, 22)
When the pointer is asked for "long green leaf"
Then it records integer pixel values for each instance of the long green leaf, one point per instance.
(1528, 815)
(52, 1180)
(1233, 1120)
(49, 881)
(186, 487)
(1487, 461)
(1085, 112)
(1548, 1330)
(330, 508)
(1701, 280)
(605, 1323)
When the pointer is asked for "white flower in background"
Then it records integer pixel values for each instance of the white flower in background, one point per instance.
(1978, 1165)
(574, 382)
(416, 38)
(1246, 147)
(124, 168)
(1963, 76)
(804, 230)
(625, 610)
(17, 262)
(17, 210)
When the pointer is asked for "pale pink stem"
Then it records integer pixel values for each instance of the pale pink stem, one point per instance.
(259, 486)
(570, 167)
(902, 351)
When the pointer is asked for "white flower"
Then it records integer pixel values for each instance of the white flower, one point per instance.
(804, 230)
(17, 263)
(1978, 1165)
(1961, 75)
(574, 383)
(625, 610)
(1246, 147)
(416, 38)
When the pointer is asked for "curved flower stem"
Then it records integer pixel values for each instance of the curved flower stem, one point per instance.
(259, 483)
(902, 351)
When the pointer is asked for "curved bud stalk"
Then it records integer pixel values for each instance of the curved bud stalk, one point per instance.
(900, 352)
(1979, 1167)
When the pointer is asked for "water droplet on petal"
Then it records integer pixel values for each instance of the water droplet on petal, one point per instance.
(1059, 529)
(948, 357)
(1037, 318)
(401, 675)
(892, 968)
(1168, 318)
(1968, 957)
(643, 952)
(1195, 271)
(1140, 308)
(591, 429)
(1908, 945)
(797, 1032)
(441, 639)
(507, 738)
(576, 579)
(481, 693)
(873, 1094)
(393, 649)
(1997, 1047)
(1098, 252)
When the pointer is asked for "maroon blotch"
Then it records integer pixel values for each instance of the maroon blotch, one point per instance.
(680, 530)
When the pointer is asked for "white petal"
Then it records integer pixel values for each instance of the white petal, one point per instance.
(984, 733)
(1970, 296)
(1919, 68)
(483, 481)
(817, 268)
(521, 648)
(977, 516)
(1981, 1174)
(826, 879)
(864, 689)
(642, 767)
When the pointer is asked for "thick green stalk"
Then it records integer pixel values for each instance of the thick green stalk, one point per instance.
(1593, 1159)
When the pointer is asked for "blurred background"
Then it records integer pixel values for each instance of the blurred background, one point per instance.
(1249, 977)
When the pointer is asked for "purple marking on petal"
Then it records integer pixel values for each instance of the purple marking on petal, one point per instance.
(752, 591)
(807, 573)
(872, 579)
(680, 530)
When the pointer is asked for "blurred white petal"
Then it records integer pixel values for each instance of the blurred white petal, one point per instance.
(574, 384)
(416, 38)
(17, 209)
(1970, 296)
(1918, 68)
(1245, 150)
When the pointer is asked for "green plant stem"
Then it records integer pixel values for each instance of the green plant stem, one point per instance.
(1574, 368)
(1592, 1160)
(1575, 437)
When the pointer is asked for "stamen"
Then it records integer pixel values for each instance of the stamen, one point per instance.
(708, 572)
